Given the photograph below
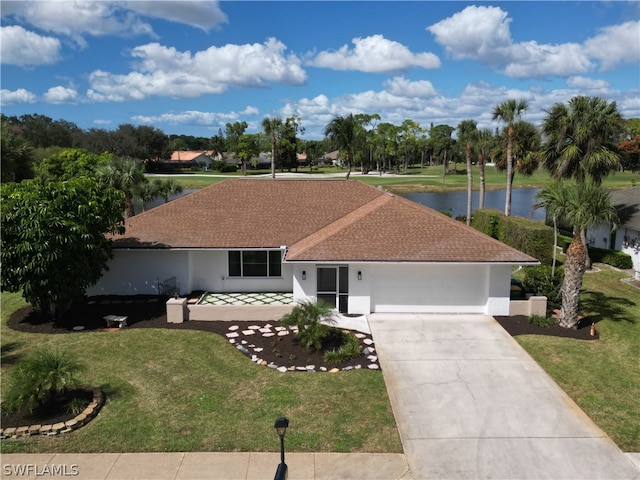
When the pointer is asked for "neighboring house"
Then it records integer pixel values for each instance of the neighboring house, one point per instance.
(352, 245)
(332, 158)
(191, 158)
(627, 237)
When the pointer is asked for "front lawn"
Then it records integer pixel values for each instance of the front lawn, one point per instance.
(603, 376)
(179, 390)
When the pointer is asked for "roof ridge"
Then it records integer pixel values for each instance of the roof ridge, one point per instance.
(333, 228)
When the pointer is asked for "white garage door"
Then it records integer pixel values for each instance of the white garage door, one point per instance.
(429, 289)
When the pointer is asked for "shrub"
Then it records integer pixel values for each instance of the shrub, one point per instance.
(350, 349)
(539, 281)
(542, 321)
(611, 257)
(38, 378)
(313, 320)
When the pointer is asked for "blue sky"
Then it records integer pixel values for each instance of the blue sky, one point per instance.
(189, 67)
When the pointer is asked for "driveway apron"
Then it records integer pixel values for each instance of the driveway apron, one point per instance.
(470, 403)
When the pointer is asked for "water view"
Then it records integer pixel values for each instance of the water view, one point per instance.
(522, 201)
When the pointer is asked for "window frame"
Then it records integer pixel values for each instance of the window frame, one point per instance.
(236, 260)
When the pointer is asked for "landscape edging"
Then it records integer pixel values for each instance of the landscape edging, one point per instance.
(58, 428)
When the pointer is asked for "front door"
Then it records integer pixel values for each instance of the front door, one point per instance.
(333, 287)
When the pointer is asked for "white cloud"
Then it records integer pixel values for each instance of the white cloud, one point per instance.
(201, 14)
(61, 94)
(74, 19)
(24, 48)
(194, 117)
(8, 97)
(374, 54)
(404, 88)
(482, 34)
(615, 44)
(583, 83)
(166, 71)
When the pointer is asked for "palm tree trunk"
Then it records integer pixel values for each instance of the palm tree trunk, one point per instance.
(507, 204)
(482, 181)
(469, 184)
(574, 269)
(273, 157)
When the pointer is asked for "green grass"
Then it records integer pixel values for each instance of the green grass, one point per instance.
(171, 390)
(603, 376)
(423, 179)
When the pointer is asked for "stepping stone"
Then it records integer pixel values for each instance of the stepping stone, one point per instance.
(267, 335)
(373, 366)
(265, 330)
(232, 335)
(368, 350)
(283, 333)
(258, 349)
(360, 335)
(78, 328)
(282, 369)
(367, 341)
(243, 342)
(254, 327)
(234, 327)
(248, 332)
(372, 358)
(310, 367)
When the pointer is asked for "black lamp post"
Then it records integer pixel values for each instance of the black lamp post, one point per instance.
(281, 427)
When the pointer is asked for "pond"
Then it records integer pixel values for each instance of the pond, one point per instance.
(522, 201)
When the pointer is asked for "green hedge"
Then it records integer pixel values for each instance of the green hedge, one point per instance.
(539, 281)
(533, 238)
(601, 255)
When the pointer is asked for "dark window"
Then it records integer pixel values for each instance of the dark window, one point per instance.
(255, 263)
(275, 263)
(235, 269)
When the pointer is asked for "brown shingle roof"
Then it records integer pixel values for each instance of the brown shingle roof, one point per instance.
(319, 220)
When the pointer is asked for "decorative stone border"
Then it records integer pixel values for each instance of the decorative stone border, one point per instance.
(58, 428)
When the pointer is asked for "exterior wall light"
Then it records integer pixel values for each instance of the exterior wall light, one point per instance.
(304, 274)
(359, 275)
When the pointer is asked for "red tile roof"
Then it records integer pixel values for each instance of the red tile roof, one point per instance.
(318, 220)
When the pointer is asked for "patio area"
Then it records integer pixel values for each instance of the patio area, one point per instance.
(243, 298)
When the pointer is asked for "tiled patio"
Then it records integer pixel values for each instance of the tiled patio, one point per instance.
(246, 299)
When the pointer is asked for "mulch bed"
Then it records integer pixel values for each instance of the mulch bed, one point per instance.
(520, 325)
(54, 412)
(150, 312)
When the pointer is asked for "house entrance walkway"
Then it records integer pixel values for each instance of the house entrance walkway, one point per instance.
(470, 403)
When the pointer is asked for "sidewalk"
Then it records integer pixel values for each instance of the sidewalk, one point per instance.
(194, 466)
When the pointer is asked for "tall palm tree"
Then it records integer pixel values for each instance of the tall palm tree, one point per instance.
(272, 126)
(125, 174)
(582, 205)
(342, 132)
(508, 112)
(467, 135)
(581, 138)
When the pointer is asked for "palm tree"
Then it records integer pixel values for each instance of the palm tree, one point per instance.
(581, 139)
(581, 205)
(125, 174)
(167, 188)
(342, 132)
(467, 135)
(509, 111)
(272, 127)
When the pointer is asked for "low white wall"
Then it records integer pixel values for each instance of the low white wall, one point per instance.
(269, 313)
(535, 305)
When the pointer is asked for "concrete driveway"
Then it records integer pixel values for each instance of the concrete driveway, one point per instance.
(470, 403)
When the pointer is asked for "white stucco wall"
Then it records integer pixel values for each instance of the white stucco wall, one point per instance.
(418, 288)
(137, 272)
